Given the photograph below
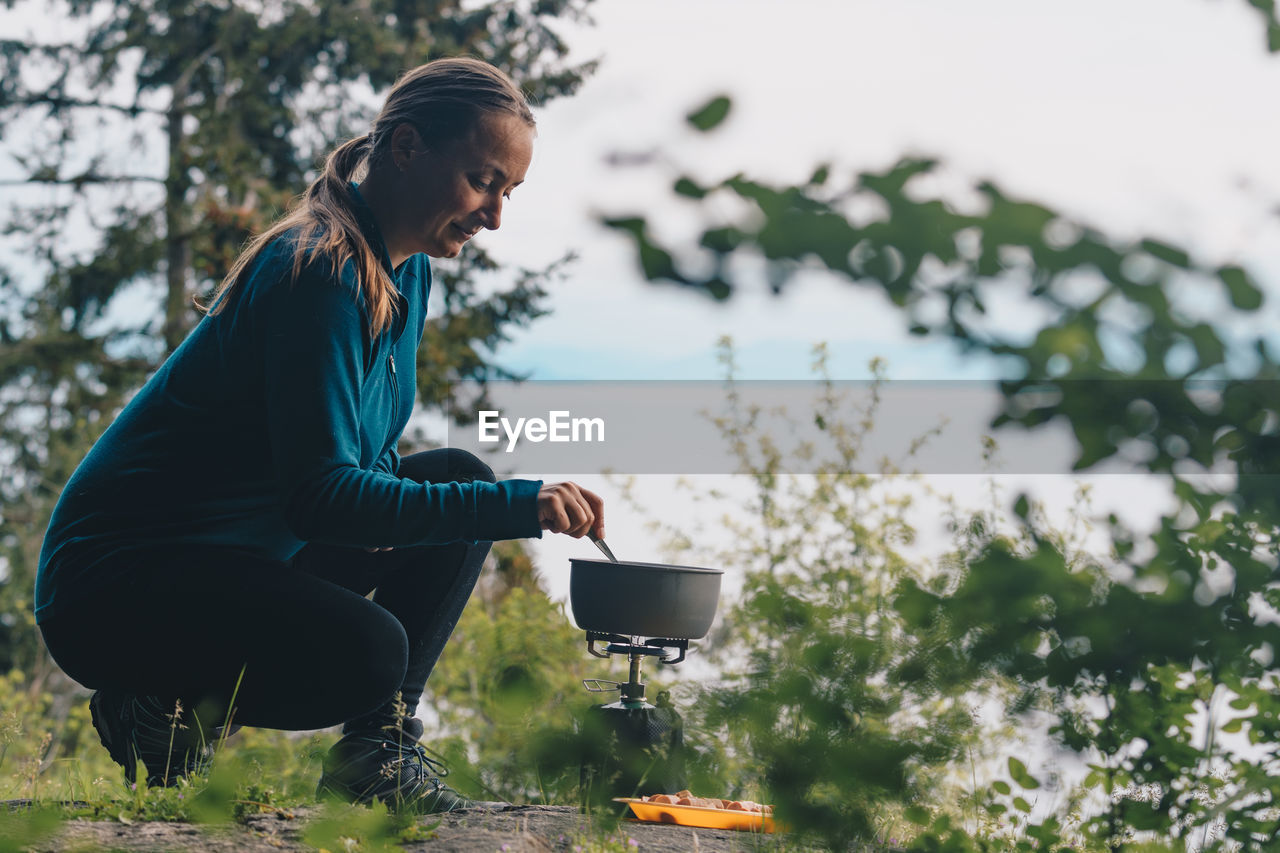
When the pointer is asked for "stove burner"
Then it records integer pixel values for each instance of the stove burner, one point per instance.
(636, 649)
(620, 644)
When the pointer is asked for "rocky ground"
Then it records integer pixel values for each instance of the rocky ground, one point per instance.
(519, 828)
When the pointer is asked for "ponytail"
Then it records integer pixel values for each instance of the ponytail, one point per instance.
(327, 227)
(344, 159)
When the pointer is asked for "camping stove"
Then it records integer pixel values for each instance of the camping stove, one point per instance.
(632, 747)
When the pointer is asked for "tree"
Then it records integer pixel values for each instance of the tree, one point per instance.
(161, 138)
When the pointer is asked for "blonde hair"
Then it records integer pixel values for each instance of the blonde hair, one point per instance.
(444, 100)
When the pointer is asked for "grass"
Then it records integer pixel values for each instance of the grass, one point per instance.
(51, 761)
(50, 756)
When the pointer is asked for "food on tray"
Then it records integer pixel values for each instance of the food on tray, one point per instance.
(686, 798)
(685, 809)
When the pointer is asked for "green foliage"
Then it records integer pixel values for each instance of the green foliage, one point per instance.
(710, 114)
(48, 747)
(342, 827)
(1268, 10)
(1136, 673)
(65, 773)
(50, 754)
(26, 829)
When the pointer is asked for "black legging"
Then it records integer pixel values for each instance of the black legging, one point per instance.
(315, 652)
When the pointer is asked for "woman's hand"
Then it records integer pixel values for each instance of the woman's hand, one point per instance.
(569, 508)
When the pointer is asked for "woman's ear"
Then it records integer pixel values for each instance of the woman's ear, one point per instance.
(406, 144)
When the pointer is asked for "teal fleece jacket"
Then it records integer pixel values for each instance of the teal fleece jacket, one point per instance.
(272, 425)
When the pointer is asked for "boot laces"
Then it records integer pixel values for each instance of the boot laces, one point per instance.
(416, 755)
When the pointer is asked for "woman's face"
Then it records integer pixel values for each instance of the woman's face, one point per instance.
(453, 190)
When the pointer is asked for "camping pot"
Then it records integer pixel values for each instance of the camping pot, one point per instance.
(643, 599)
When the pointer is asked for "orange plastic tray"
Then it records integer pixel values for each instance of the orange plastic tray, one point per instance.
(698, 816)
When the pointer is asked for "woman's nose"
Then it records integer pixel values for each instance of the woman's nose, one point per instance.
(493, 214)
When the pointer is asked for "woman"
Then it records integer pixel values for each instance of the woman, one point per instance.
(215, 547)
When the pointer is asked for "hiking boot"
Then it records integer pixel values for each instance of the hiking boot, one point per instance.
(140, 728)
(388, 764)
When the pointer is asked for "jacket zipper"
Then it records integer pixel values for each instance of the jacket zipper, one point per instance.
(391, 364)
(395, 388)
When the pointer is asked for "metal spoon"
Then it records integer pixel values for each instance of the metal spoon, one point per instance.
(604, 549)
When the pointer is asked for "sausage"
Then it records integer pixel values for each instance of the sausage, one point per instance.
(686, 798)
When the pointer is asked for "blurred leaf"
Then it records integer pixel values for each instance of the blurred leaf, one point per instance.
(27, 828)
(1169, 254)
(1018, 771)
(686, 187)
(710, 114)
(1244, 294)
(918, 815)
